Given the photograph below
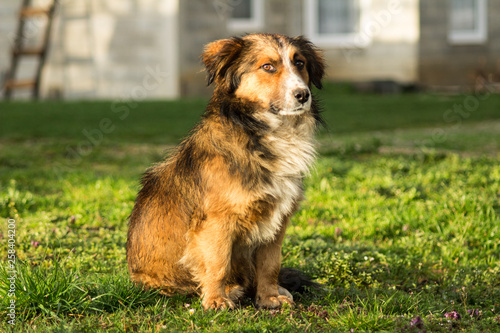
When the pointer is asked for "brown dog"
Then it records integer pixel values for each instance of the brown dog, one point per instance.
(212, 217)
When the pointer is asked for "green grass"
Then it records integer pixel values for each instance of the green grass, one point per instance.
(401, 219)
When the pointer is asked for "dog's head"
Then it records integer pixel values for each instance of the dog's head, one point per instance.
(273, 71)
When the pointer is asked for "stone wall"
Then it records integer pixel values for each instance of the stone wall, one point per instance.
(200, 22)
(8, 30)
(114, 49)
(393, 31)
(444, 64)
(130, 41)
(203, 21)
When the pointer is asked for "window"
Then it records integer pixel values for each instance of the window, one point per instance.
(337, 17)
(246, 15)
(468, 22)
(336, 22)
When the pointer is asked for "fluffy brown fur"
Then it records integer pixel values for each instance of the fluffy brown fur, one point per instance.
(212, 217)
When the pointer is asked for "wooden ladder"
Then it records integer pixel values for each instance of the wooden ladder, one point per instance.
(19, 50)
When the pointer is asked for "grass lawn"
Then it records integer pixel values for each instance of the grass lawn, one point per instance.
(401, 222)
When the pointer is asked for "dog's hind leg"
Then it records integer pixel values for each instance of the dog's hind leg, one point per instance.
(208, 258)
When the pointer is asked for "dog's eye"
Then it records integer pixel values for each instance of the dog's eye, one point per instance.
(269, 68)
(299, 64)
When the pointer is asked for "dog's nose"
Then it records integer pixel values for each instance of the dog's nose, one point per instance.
(302, 95)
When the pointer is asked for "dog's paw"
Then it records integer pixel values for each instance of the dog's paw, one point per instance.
(274, 302)
(235, 292)
(282, 291)
(217, 303)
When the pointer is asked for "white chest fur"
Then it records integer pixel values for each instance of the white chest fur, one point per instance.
(295, 153)
(287, 194)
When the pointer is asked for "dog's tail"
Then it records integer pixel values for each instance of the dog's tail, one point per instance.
(294, 280)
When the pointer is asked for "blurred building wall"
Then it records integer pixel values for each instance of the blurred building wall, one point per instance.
(444, 61)
(113, 49)
(137, 49)
(384, 48)
(8, 27)
(199, 24)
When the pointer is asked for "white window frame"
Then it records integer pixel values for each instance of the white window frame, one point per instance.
(256, 22)
(477, 36)
(357, 39)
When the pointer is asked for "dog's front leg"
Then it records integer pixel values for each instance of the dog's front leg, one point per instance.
(267, 266)
(208, 258)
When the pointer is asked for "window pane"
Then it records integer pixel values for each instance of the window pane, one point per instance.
(242, 9)
(463, 15)
(338, 16)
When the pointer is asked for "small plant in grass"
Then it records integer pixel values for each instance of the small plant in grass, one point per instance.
(46, 291)
(111, 293)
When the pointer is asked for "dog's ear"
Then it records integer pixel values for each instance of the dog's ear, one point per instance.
(315, 61)
(220, 59)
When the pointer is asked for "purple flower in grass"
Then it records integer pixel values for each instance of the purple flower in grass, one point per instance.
(417, 322)
(474, 313)
(454, 315)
